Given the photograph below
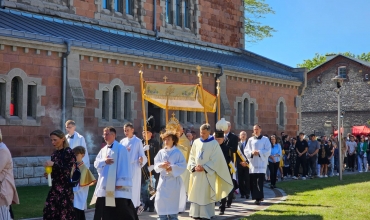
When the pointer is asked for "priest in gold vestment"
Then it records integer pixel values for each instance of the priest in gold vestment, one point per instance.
(210, 179)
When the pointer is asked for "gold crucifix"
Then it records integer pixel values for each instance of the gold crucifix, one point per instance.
(165, 78)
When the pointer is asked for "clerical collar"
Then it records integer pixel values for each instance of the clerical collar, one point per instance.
(109, 146)
(71, 136)
(210, 138)
(259, 137)
(226, 134)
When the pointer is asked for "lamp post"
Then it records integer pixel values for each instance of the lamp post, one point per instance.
(339, 82)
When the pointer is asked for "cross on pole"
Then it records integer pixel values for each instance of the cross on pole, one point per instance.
(165, 78)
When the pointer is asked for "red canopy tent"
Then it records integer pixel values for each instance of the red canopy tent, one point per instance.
(360, 130)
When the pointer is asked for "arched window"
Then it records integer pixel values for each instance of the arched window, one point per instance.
(251, 113)
(169, 17)
(239, 113)
(116, 113)
(246, 111)
(178, 13)
(186, 14)
(105, 105)
(14, 97)
(129, 7)
(281, 114)
(127, 106)
(118, 6)
(105, 4)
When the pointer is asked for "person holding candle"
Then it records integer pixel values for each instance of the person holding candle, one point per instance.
(59, 202)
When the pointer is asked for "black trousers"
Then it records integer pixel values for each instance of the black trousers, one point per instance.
(229, 198)
(351, 161)
(124, 210)
(80, 214)
(243, 180)
(273, 167)
(301, 161)
(256, 185)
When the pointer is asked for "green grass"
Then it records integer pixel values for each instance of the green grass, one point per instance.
(326, 198)
(32, 199)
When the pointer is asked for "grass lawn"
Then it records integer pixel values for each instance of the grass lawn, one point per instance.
(326, 198)
(32, 199)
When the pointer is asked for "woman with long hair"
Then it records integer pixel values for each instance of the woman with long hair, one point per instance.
(274, 160)
(59, 202)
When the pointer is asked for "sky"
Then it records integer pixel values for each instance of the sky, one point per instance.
(306, 27)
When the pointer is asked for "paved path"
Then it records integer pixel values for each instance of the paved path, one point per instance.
(240, 207)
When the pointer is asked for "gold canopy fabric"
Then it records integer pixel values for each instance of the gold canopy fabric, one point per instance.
(185, 97)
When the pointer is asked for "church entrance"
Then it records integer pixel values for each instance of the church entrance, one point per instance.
(155, 111)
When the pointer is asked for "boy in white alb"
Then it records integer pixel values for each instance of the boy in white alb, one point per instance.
(81, 191)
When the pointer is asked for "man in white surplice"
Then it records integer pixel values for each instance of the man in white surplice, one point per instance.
(137, 158)
(75, 139)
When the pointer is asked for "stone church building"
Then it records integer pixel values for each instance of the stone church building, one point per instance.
(79, 59)
(319, 101)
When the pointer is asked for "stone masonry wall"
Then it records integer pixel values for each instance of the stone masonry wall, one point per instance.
(30, 170)
(319, 103)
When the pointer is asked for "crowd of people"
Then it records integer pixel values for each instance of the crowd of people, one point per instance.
(136, 175)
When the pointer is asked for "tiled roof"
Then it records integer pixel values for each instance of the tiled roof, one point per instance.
(55, 30)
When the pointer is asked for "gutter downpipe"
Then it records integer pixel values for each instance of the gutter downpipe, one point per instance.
(64, 82)
(217, 77)
(155, 19)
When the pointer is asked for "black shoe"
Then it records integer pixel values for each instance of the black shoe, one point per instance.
(242, 196)
(257, 202)
(271, 186)
(247, 196)
(221, 213)
(228, 206)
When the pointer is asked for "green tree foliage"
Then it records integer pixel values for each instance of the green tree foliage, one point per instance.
(255, 30)
(318, 59)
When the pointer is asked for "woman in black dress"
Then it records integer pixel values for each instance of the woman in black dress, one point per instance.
(59, 202)
(323, 159)
(292, 155)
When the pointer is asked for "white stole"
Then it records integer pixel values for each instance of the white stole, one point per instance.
(110, 188)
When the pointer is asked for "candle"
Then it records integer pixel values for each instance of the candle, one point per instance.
(48, 171)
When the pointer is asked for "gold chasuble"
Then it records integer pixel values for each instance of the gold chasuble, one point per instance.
(215, 182)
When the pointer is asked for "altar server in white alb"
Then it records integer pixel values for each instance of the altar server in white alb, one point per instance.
(114, 188)
(75, 139)
(138, 159)
(170, 163)
(258, 150)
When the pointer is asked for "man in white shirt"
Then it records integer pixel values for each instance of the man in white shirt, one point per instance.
(351, 146)
(75, 139)
(114, 188)
(138, 159)
(258, 150)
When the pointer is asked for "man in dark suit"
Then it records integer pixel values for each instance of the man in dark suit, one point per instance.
(231, 142)
(242, 167)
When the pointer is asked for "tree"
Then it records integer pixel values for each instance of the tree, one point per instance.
(255, 30)
(318, 59)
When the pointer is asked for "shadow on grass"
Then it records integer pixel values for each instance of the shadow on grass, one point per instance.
(303, 205)
(283, 217)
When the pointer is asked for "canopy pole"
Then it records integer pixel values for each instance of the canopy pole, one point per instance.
(144, 117)
(167, 111)
(218, 100)
(201, 86)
